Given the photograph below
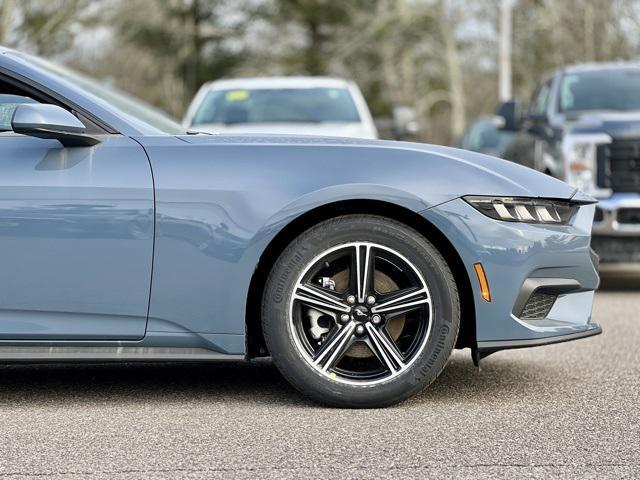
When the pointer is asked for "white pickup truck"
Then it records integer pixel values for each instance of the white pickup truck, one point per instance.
(281, 105)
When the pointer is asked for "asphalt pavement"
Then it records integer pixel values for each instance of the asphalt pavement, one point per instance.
(564, 411)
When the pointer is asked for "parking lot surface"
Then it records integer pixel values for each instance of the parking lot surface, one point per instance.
(565, 411)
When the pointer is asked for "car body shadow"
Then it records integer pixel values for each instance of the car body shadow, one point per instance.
(258, 382)
(503, 375)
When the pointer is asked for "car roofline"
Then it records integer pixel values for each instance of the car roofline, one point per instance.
(597, 66)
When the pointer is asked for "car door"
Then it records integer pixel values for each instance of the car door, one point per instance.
(76, 238)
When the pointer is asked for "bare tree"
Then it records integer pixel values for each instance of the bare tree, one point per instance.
(7, 12)
(457, 95)
(551, 33)
(439, 56)
(44, 27)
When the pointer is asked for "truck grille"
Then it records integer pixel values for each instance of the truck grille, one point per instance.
(629, 216)
(619, 166)
(612, 249)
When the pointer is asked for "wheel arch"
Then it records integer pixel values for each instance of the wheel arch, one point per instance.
(255, 345)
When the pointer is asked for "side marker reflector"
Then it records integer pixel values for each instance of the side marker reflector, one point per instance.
(482, 280)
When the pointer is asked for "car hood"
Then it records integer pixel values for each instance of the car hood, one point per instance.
(356, 130)
(615, 124)
(414, 166)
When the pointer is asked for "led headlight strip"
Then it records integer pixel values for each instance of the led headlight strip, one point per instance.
(527, 210)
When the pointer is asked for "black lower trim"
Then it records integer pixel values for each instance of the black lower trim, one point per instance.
(487, 348)
(32, 354)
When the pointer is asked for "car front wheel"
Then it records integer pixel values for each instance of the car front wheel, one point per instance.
(360, 311)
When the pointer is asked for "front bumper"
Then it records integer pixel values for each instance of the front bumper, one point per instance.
(490, 347)
(556, 260)
(616, 232)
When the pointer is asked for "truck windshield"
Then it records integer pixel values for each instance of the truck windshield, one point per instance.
(294, 105)
(615, 89)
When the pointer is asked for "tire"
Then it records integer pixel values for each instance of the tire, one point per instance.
(343, 357)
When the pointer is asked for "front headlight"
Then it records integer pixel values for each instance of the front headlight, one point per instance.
(580, 153)
(522, 209)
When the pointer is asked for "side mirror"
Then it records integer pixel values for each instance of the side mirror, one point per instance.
(51, 121)
(404, 122)
(510, 112)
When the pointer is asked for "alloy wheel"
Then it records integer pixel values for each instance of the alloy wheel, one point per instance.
(360, 313)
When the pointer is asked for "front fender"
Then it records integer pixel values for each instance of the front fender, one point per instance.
(334, 194)
(221, 200)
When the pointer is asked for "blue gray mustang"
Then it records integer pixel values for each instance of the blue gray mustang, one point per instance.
(358, 266)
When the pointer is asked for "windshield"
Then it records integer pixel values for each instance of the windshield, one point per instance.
(128, 105)
(486, 136)
(608, 89)
(294, 105)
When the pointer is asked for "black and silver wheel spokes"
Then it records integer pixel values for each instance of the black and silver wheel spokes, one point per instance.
(332, 351)
(361, 313)
(402, 301)
(320, 298)
(362, 276)
(385, 349)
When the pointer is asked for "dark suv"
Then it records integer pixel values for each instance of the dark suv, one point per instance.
(583, 126)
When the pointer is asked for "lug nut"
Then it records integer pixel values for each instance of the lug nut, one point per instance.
(359, 330)
(351, 299)
(371, 300)
(344, 317)
(376, 319)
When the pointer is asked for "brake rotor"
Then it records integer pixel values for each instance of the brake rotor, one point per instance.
(382, 284)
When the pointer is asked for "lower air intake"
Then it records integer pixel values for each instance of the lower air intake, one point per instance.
(538, 306)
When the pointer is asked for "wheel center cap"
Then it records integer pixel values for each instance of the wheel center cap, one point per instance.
(360, 313)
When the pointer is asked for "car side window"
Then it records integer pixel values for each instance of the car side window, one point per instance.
(476, 137)
(11, 97)
(540, 101)
(8, 104)
(13, 94)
